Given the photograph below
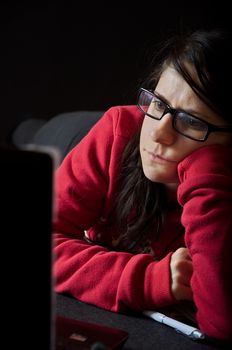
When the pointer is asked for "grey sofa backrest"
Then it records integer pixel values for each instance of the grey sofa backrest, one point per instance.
(63, 131)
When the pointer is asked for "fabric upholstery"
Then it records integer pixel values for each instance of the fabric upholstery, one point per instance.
(63, 131)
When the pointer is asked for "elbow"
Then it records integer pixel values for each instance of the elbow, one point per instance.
(218, 327)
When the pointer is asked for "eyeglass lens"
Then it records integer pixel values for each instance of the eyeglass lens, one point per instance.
(183, 122)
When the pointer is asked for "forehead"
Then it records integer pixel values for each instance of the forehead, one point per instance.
(179, 94)
(172, 85)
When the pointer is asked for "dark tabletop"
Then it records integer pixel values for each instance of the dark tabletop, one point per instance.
(144, 333)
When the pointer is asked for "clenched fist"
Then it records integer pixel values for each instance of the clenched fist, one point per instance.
(181, 273)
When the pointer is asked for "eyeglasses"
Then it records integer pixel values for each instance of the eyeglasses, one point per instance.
(184, 123)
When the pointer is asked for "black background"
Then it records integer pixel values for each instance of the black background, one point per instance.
(82, 55)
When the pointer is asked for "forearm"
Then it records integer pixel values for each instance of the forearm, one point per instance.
(207, 201)
(209, 250)
(116, 281)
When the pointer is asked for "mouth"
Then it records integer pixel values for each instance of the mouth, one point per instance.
(160, 159)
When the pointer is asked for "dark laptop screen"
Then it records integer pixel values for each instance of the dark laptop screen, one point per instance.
(26, 183)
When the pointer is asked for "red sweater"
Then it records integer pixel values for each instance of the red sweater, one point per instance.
(118, 281)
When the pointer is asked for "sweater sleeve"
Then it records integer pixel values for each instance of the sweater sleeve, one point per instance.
(116, 281)
(205, 192)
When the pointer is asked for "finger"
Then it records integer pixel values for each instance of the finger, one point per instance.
(183, 253)
(182, 275)
(184, 293)
(180, 266)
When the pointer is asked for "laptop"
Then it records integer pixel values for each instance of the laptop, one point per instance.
(26, 180)
(28, 303)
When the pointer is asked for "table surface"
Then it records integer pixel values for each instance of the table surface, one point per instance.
(144, 333)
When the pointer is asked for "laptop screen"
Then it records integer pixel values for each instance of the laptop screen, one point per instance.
(26, 189)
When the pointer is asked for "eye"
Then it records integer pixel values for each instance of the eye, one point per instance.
(189, 121)
(158, 105)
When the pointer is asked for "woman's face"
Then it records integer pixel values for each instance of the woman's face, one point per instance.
(161, 147)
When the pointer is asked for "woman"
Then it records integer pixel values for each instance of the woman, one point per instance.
(144, 200)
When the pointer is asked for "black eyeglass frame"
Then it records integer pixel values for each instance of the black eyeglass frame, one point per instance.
(173, 112)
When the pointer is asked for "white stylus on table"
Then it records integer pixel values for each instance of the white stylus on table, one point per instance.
(180, 327)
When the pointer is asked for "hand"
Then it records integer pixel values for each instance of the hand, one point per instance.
(181, 273)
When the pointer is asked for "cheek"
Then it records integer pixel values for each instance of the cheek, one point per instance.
(146, 129)
(220, 138)
(186, 148)
(183, 147)
(143, 135)
(190, 146)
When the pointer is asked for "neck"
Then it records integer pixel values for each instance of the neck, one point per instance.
(171, 190)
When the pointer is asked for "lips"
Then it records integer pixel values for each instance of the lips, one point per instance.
(159, 158)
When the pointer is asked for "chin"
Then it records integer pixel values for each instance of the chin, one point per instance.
(155, 176)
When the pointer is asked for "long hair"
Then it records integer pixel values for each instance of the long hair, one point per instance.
(141, 204)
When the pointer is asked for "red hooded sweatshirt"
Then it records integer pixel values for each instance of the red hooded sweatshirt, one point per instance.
(120, 281)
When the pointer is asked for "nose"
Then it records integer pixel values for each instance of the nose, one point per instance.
(163, 131)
